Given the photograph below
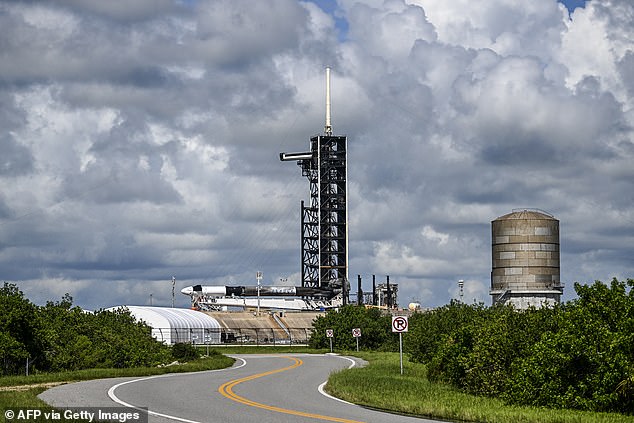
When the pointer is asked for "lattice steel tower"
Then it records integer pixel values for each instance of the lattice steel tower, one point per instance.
(324, 221)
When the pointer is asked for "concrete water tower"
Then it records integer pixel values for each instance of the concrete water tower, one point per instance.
(525, 255)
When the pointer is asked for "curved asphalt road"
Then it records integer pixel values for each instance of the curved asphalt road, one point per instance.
(258, 388)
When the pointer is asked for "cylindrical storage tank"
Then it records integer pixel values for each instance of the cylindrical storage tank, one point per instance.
(525, 253)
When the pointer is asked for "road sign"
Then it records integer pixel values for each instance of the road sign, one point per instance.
(330, 333)
(399, 324)
(356, 332)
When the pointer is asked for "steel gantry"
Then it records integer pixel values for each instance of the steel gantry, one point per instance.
(324, 230)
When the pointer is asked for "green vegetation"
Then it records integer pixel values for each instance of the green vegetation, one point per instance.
(576, 356)
(571, 363)
(58, 337)
(380, 385)
(579, 355)
(374, 325)
(62, 343)
(183, 351)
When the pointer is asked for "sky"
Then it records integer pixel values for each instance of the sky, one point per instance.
(140, 140)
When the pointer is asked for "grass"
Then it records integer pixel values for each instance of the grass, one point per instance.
(380, 385)
(212, 362)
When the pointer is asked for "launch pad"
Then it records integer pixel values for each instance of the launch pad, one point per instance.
(324, 235)
(324, 221)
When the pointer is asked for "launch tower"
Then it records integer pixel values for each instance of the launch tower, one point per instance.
(324, 241)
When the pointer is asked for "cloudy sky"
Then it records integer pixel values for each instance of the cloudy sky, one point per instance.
(140, 140)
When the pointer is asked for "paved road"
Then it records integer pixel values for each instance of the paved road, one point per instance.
(258, 388)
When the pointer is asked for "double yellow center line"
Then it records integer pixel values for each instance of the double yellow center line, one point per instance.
(226, 390)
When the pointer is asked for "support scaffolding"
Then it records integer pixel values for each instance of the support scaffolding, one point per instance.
(324, 221)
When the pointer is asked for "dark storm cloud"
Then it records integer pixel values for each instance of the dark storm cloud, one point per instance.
(5, 210)
(127, 168)
(148, 136)
(124, 11)
(16, 159)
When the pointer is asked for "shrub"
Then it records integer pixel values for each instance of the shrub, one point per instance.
(579, 355)
(375, 329)
(183, 351)
(59, 337)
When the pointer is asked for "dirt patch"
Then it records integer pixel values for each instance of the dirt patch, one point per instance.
(27, 387)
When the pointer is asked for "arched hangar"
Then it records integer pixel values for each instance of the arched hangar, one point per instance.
(174, 325)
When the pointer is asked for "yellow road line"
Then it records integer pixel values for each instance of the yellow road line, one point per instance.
(226, 390)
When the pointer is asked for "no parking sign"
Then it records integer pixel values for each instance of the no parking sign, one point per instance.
(356, 332)
(400, 325)
(330, 333)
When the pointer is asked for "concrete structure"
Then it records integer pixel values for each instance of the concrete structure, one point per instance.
(525, 255)
(277, 328)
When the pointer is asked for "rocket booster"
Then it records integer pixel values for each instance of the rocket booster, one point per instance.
(252, 291)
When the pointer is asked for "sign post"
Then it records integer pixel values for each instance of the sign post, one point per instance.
(356, 332)
(329, 334)
(399, 325)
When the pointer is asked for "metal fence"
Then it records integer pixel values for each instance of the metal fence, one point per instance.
(233, 336)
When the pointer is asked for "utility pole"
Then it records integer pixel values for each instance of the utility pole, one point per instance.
(173, 286)
(389, 293)
(258, 276)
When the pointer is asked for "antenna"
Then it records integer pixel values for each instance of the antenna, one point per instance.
(328, 127)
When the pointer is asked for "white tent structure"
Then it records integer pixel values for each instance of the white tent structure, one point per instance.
(174, 325)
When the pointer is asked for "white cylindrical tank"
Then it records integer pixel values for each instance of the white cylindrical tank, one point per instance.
(413, 306)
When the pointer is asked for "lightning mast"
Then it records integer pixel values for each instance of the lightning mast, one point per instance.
(324, 221)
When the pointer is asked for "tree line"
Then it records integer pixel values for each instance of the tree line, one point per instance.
(60, 336)
(577, 355)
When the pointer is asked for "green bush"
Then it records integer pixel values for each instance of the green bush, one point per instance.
(21, 330)
(183, 351)
(429, 329)
(59, 337)
(579, 355)
(588, 362)
(375, 329)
